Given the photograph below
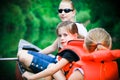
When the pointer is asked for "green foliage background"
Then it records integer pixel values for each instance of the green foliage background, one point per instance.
(36, 21)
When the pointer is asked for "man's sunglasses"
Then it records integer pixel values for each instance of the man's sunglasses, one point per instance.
(65, 10)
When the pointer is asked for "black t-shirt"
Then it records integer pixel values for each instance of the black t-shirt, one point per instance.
(69, 55)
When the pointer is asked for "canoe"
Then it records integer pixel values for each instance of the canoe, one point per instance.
(23, 44)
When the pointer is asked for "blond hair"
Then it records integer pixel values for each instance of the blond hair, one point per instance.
(68, 1)
(69, 26)
(97, 39)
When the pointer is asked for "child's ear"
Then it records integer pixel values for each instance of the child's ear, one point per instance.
(76, 35)
(74, 12)
(84, 46)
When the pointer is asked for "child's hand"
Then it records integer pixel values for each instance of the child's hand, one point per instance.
(27, 75)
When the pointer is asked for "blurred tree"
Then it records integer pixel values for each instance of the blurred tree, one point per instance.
(12, 28)
(106, 14)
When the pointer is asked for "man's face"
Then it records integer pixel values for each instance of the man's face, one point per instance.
(67, 13)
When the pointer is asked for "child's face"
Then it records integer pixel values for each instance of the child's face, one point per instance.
(65, 36)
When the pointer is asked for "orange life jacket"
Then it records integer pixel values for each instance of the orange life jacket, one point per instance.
(102, 55)
(101, 67)
(77, 47)
(98, 69)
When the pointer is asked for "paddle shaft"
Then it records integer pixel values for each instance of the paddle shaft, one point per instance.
(8, 59)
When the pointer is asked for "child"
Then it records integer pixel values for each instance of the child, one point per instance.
(99, 65)
(66, 31)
